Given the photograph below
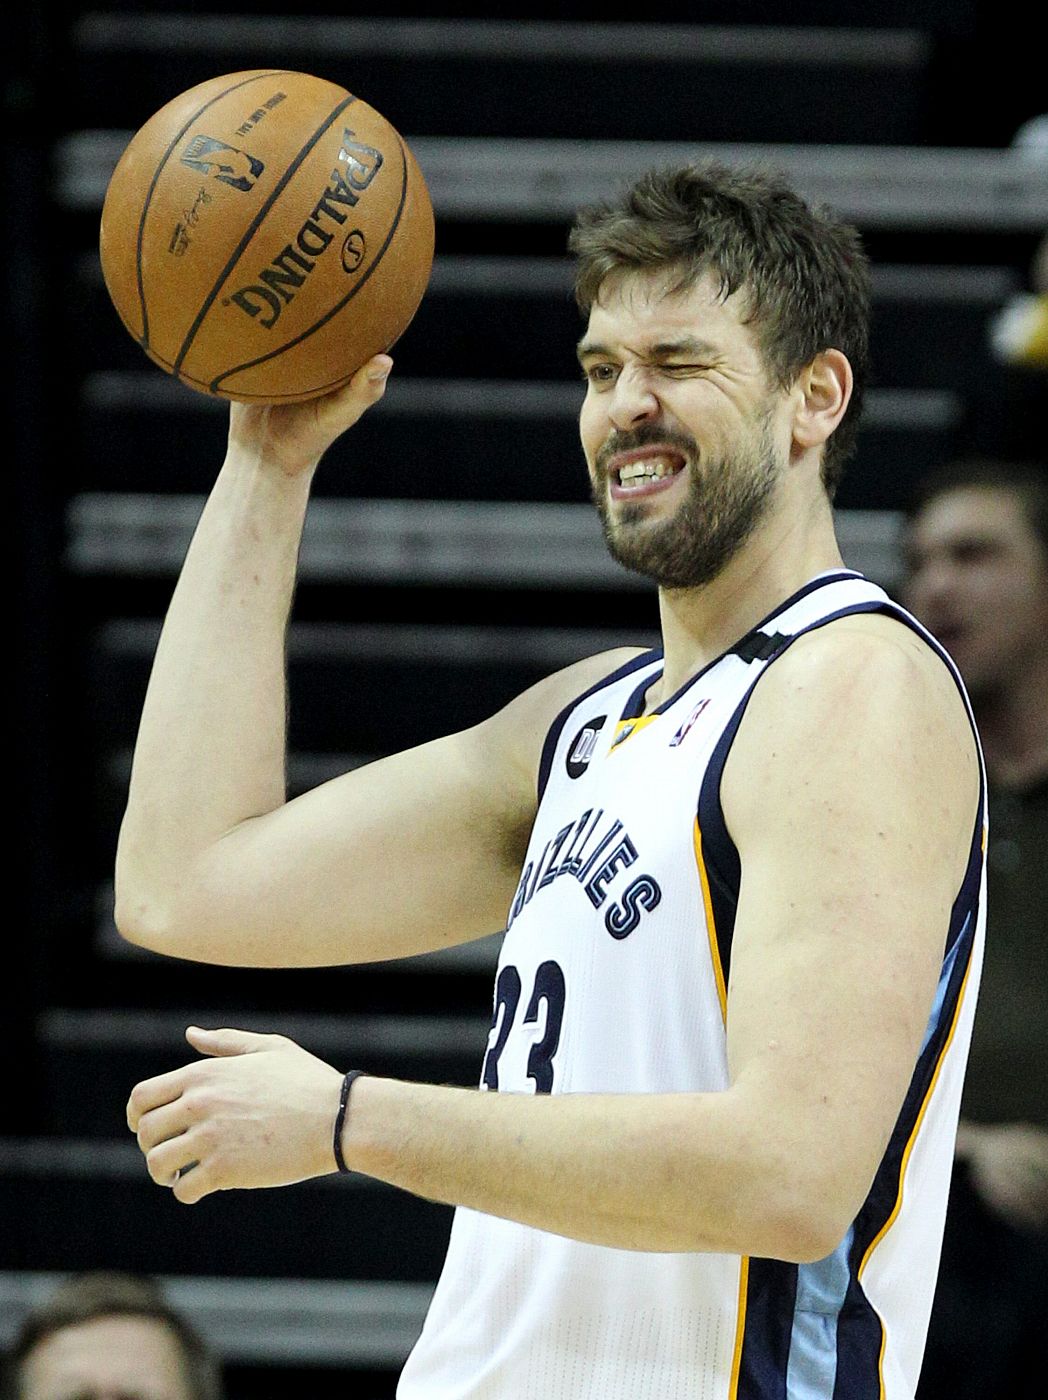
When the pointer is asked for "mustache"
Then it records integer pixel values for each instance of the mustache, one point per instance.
(644, 436)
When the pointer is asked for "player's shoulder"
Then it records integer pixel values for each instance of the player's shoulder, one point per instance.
(875, 653)
(869, 672)
(854, 719)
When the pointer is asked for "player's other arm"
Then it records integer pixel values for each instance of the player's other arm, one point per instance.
(851, 792)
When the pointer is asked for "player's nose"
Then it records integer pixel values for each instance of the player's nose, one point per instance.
(633, 399)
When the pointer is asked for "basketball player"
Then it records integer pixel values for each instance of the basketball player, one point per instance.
(741, 876)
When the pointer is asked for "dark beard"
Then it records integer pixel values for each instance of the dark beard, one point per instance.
(726, 501)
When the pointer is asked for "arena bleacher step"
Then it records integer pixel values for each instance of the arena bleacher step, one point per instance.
(369, 672)
(930, 323)
(472, 544)
(530, 78)
(79, 1201)
(526, 181)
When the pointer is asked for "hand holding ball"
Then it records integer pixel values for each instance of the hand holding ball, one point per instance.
(265, 234)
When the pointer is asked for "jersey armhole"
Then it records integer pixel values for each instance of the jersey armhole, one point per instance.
(720, 855)
(556, 728)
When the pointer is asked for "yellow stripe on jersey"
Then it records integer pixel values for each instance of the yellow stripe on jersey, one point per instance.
(740, 1328)
(722, 997)
(711, 927)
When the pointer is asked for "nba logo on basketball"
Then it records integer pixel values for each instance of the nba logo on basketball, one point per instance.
(226, 163)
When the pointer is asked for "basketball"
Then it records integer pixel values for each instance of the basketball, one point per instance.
(264, 234)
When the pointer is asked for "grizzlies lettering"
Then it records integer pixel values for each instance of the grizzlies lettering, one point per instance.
(594, 849)
(279, 281)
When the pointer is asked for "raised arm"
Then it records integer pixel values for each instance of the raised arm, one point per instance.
(412, 853)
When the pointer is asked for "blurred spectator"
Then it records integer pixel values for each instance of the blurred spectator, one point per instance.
(108, 1336)
(977, 556)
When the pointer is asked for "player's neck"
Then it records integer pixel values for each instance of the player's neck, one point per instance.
(699, 624)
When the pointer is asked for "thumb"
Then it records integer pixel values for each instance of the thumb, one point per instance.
(226, 1042)
(368, 384)
(374, 373)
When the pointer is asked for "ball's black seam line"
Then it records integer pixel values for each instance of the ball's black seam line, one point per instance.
(253, 227)
(304, 335)
(143, 339)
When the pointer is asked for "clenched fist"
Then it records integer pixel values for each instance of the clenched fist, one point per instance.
(258, 1112)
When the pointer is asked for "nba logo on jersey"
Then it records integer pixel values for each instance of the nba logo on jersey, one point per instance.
(682, 732)
(581, 750)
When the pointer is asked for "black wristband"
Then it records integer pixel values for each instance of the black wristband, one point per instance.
(340, 1117)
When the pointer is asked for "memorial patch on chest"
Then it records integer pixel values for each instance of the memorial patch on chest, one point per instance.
(581, 748)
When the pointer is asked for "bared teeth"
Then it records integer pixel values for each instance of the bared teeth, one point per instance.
(649, 468)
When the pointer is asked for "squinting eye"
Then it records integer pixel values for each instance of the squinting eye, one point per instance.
(600, 374)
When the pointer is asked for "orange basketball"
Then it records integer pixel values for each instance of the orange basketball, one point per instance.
(264, 234)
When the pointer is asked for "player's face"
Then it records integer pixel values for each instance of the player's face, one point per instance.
(110, 1358)
(978, 580)
(680, 426)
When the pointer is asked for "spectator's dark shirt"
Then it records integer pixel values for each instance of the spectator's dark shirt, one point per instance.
(1007, 1078)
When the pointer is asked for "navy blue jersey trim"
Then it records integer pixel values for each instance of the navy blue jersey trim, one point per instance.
(771, 1293)
(859, 1327)
(554, 732)
(720, 858)
(635, 705)
(812, 586)
(859, 1338)
(877, 1209)
(720, 854)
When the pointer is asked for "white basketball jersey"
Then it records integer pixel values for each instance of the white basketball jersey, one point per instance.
(612, 979)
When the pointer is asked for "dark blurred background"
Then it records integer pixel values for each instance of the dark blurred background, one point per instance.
(450, 559)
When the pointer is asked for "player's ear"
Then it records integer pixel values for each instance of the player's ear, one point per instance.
(822, 392)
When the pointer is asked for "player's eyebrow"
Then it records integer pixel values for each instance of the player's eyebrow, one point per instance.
(586, 349)
(689, 345)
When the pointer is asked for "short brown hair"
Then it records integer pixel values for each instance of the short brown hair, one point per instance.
(91, 1296)
(1026, 480)
(805, 272)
